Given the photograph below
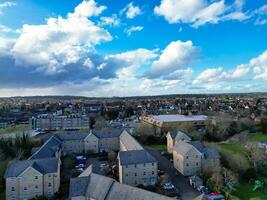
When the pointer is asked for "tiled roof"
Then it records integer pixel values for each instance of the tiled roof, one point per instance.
(100, 187)
(135, 157)
(44, 166)
(129, 142)
(48, 149)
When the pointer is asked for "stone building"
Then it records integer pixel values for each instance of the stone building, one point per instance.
(173, 137)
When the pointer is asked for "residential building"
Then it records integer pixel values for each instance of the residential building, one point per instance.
(27, 179)
(94, 186)
(55, 122)
(137, 167)
(187, 158)
(190, 157)
(173, 137)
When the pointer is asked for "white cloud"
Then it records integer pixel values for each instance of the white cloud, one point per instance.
(199, 12)
(176, 55)
(215, 75)
(5, 5)
(132, 29)
(57, 43)
(209, 75)
(131, 11)
(261, 15)
(88, 8)
(110, 21)
(259, 65)
(180, 74)
(132, 60)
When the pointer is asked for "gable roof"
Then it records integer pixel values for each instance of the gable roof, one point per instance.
(107, 134)
(129, 142)
(44, 166)
(99, 187)
(48, 149)
(183, 147)
(135, 157)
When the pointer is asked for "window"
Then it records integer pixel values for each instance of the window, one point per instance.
(187, 164)
(135, 174)
(36, 187)
(12, 189)
(144, 164)
(135, 165)
(36, 177)
(152, 164)
(25, 188)
(196, 164)
(49, 184)
(126, 174)
(126, 166)
(144, 173)
(186, 157)
(153, 172)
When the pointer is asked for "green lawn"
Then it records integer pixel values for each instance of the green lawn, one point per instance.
(258, 137)
(244, 192)
(235, 148)
(15, 129)
(159, 147)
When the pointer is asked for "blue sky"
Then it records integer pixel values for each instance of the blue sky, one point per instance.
(130, 48)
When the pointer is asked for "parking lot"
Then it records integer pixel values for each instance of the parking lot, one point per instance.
(178, 180)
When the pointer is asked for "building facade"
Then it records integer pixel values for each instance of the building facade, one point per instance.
(54, 122)
(175, 121)
(28, 179)
(173, 137)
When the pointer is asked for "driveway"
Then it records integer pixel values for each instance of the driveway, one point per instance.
(179, 181)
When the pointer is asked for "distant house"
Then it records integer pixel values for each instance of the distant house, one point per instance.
(90, 185)
(173, 137)
(27, 179)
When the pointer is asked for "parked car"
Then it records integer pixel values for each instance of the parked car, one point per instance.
(102, 165)
(80, 166)
(160, 172)
(80, 157)
(168, 186)
(202, 189)
(171, 160)
(80, 170)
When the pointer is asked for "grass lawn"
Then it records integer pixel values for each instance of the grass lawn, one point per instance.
(244, 192)
(159, 147)
(15, 129)
(258, 137)
(235, 148)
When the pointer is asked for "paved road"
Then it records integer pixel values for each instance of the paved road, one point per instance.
(179, 181)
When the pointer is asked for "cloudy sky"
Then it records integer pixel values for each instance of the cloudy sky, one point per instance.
(131, 48)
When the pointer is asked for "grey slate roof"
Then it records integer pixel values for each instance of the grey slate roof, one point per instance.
(100, 187)
(129, 142)
(72, 135)
(107, 134)
(198, 146)
(135, 157)
(179, 136)
(44, 166)
(48, 149)
(183, 147)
